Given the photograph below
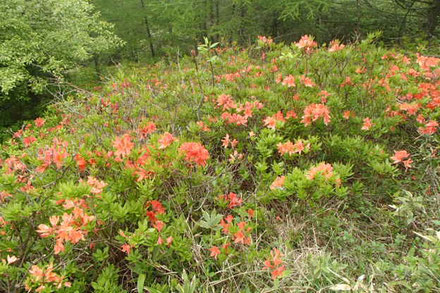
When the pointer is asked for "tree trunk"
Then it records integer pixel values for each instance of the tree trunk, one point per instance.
(147, 27)
(217, 19)
(432, 18)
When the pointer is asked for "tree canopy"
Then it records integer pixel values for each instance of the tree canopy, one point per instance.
(42, 39)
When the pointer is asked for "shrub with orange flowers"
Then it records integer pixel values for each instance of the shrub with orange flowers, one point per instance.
(183, 175)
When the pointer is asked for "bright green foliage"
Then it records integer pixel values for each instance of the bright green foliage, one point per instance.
(154, 28)
(276, 168)
(41, 40)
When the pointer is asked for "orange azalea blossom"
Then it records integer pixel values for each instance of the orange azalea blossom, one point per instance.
(39, 122)
(55, 154)
(289, 81)
(430, 128)
(367, 124)
(266, 40)
(71, 229)
(426, 63)
(226, 102)
(29, 140)
(322, 168)
(40, 277)
(234, 118)
(157, 206)
(13, 164)
(232, 199)
(347, 115)
(307, 81)
(159, 225)
(215, 252)
(278, 183)
(313, 112)
(248, 108)
(402, 156)
(158, 209)
(126, 248)
(346, 82)
(123, 145)
(274, 263)
(235, 156)
(411, 109)
(195, 153)
(336, 45)
(307, 43)
(81, 163)
(226, 141)
(241, 235)
(97, 186)
(147, 129)
(271, 121)
(166, 139)
(290, 148)
(324, 95)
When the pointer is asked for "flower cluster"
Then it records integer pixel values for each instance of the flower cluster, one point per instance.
(71, 228)
(315, 111)
(275, 264)
(403, 157)
(43, 278)
(195, 153)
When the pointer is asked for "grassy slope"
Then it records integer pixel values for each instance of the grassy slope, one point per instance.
(360, 233)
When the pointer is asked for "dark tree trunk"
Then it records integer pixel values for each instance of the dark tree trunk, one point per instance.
(147, 27)
(432, 18)
(217, 18)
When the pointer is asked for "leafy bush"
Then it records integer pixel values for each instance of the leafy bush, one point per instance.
(277, 167)
(39, 42)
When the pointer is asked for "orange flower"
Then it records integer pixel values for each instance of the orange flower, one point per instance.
(233, 199)
(203, 126)
(347, 115)
(274, 263)
(226, 141)
(123, 145)
(289, 81)
(266, 40)
(157, 206)
(335, 45)
(159, 225)
(195, 152)
(271, 121)
(430, 128)
(402, 156)
(290, 148)
(307, 81)
(29, 140)
(411, 109)
(307, 43)
(278, 183)
(322, 168)
(97, 186)
(226, 102)
(215, 252)
(81, 162)
(166, 139)
(367, 124)
(313, 112)
(149, 128)
(39, 122)
(126, 248)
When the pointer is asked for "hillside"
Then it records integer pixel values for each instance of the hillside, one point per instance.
(277, 168)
